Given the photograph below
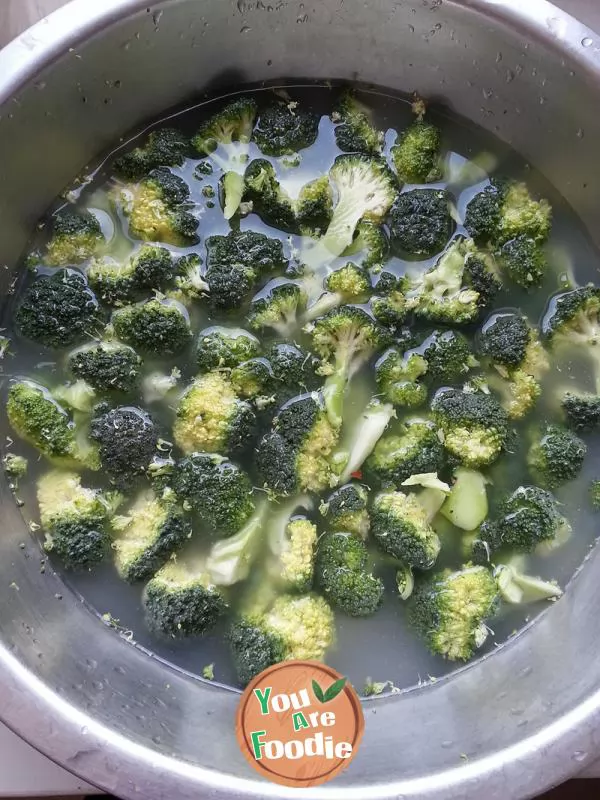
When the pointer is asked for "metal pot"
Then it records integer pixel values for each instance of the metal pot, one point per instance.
(527, 716)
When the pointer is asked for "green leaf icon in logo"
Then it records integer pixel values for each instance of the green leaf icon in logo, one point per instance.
(329, 694)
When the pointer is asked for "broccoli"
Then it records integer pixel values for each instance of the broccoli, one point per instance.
(127, 438)
(211, 417)
(225, 348)
(474, 424)
(581, 410)
(38, 419)
(291, 628)
(235, 263)
(79, 396)
(252, 379)
(165, 147)
(517, 588)
(398, 378)
(448, 356)
(283, 129)
(438, 295)
(466, 506)
(505, 210)
(524, 261)
(292, 543)
(366, 431)
(156, 326)
(572, 321)
(366, 189)
(482, 275)
(371, 243)
(348, 284)
(595, 494)
(270, 200)
(157, 208)
(416, 153)
(342, 572)
(346, 510)
(450, 609)
(180, 600)
(389, 305)
(355, 132)
(420, 222)
(314, 207)
(415, 449)
(74, 519)
(230, 129)
(529, 519)
(58, 311)
(76, 236)
(400, 526)
(504, 338)
(189, 279)
(216, 489)
(106, 366)
(555, 456)
(298, 453)
(145, 538)
(278, 307)
(293, 369)
(15, 466)
(151, 267)
(231, 193)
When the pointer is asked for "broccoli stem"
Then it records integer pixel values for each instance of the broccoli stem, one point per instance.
(346, 216)
(467, 503)
(516, 587)
(369, 430)
(325, 303)
(233, 191)
(230, 560)
(334, 391)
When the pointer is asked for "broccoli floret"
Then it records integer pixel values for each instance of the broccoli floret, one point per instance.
(225, 348)
(269, 199)
(474, 424)
(298, 453)
(218, 490)
(165, 147)
(416, 449)
(15, 466)
(573, 321)
(127, 438)
(74, 519)
(157, 208)
(349, 284)
(151, 267)
(279, 307)
(439, 296)
(450, 610)
(555, 456)
(416, 153)
(151, 531)
(156, 326)
(366, 189)
(401, 528)
(292, 543)
(314, 207)
(582, 411)
(448, 356)
(233, 123)
(211, 417)
(346, 510)
(389, 306)
(524, 261)
(482, 275)
(293, 369)
(595, 494)
(38, 419)
(505, 210)
(181, 601)
(504, 338)
(527, 519)
(371, 244)
(342, 571)
(420, 222)
(107, 366)
(253, 379)
(58, 311)
(76, 236)
(398, 378)
(292, 628)
(283, 129)
(235, 262)
(356, 133)
(189, 279)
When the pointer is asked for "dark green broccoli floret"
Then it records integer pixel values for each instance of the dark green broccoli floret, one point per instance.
(165, 147)
(448, 356)
(211, 417)
(218, 490)
(58, 311)
(573, 321)
(233, 123)
(582, 411)
(504, 338)
(528, 518)
(278, 306)
(346, 510)
(253, 378)
(297, 454)
(450, 610)
(283, 129)
(151, 267)
(401, 528)
(293, 369)
(314, 207)
(342, 571)
(371, 244)
(505, 210)
(398, 378)
(524, 261)
(151, 531)
(269, 200)
(127, 439)
(556, 456)
(481, 274)
(420, 221)
(414, 450)
(107, 366)
(156, 326)
(416, 153)
(356, 133)
(254, 648)
(74, 519)
(389, 306)
(189, 278)
(181, 600)
(224, 348)
(76, 236)
(349, 284)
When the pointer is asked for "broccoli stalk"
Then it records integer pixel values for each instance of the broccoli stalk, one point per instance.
(467, 504)
(230, 560)
(517, 588)
(368, 430)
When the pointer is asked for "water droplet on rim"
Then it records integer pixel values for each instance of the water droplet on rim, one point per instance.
(587, 41)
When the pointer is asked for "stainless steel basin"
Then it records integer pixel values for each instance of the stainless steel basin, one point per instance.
(528, 715)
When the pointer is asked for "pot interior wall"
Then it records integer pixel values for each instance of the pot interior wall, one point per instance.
(542, 103)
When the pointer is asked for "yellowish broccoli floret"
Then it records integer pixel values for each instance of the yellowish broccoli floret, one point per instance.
(297, 554)
(305, 623)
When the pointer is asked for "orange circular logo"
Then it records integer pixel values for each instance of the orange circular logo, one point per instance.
(299, 723)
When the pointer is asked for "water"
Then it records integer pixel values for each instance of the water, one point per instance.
(382, 647)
